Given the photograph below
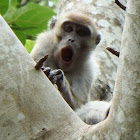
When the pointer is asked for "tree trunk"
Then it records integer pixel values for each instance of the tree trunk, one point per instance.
(30, 106)
(32, 109)
(123, 122)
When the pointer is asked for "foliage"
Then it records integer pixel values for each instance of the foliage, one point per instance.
(26, 21)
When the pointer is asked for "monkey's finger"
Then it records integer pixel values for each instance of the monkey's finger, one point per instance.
(53, 76)
(53, 79)
(48, 73)
(60, 77)
(57, 72)
(46, 70)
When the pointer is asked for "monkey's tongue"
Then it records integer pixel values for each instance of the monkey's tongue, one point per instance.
(67, 54)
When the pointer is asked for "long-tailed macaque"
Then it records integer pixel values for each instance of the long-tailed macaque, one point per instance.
(69, 44)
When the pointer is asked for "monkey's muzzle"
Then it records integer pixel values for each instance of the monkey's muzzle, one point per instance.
(67, 54)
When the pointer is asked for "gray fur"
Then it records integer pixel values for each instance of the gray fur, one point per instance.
(77, 81)
(94, 112)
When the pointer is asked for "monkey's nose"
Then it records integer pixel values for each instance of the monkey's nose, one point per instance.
(71, 40)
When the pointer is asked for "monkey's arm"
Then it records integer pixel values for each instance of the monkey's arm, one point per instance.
(57, 77)
(43, 46)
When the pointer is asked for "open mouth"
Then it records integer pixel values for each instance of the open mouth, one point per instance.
(67, 54)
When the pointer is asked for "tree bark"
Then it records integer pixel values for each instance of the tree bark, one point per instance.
(32, 109)
(30, 106)
(123, 121)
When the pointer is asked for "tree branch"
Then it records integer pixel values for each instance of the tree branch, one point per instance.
(113, 51)
(120, 5)
(39, 64)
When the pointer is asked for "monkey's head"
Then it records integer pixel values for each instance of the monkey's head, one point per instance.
(76, 37)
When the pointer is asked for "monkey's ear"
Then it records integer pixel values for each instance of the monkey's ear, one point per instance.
(52, 22)
(98, 39)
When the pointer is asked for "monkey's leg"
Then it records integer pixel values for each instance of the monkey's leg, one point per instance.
(57, 77)
(94, 112)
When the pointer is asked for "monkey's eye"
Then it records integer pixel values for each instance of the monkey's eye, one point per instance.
(68, 28)
(83, 31)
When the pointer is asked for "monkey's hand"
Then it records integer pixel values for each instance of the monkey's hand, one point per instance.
(57, 77)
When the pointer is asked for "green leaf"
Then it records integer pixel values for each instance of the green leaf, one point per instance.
(3, 6)
(31, 19)
(14, 3)
(29, 45)
(13, 6)
(21, 36)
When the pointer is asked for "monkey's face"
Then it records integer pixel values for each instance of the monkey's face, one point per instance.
(74, 45)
